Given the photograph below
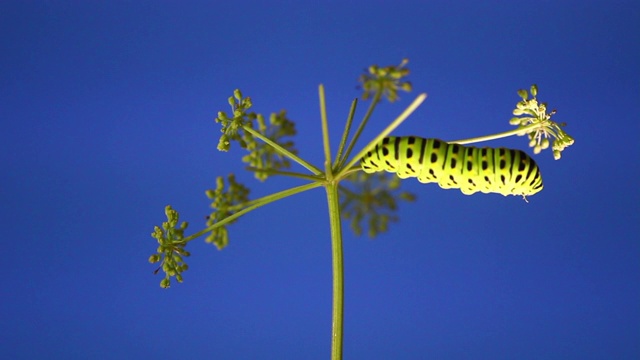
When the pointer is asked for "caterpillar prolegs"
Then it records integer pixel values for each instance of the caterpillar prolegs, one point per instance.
(453, 166)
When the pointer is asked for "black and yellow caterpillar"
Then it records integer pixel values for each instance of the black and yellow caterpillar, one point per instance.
(453, 166)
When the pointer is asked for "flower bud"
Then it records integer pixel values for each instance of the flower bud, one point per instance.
(406, 86)
(523, 94)
(545, 143)
(246, 102)
(224, 144)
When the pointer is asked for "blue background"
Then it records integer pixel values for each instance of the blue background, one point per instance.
(107, 116)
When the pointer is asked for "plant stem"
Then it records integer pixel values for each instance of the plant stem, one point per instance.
(365, 119)
(325, 133)
(518, 131)
(345, 133)
(286, 173)
(338, 270)
(283, 151)
(254, 204)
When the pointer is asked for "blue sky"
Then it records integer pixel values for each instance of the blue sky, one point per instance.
(107, 116)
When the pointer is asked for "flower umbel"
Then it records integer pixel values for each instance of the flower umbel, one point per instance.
(372, 198)
(232, 126)
(171, 250)
(532, 117)
(385, 81)
(261, 155)
(225, 203)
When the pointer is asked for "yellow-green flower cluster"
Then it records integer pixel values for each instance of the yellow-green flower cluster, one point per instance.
(232, 125)
(225, 203)
(372, 198)
(170, 250)
(531, 116)
(261, 156)
(385, 81)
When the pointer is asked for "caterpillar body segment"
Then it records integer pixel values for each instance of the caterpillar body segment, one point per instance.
(453, 166)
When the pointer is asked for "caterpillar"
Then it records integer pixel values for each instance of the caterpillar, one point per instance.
(453, 166)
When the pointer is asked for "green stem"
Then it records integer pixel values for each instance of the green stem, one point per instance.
(365, 119)
(348, 172)
(518, 131)
(283, 151)
(325, 133)
(286, 173)
(338, 271)
(254, 204)
(345, 133)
